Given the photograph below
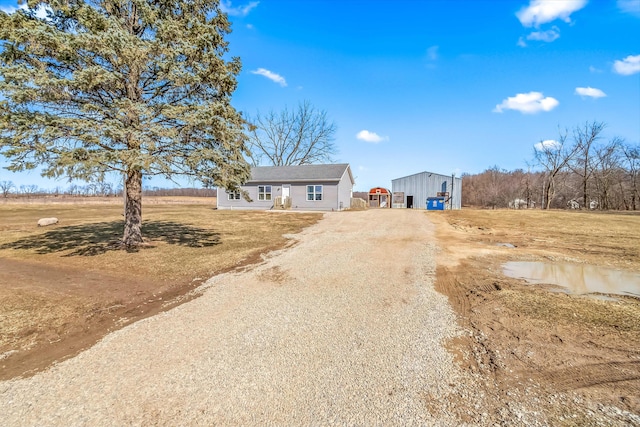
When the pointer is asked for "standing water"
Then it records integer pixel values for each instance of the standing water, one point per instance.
(575, 278)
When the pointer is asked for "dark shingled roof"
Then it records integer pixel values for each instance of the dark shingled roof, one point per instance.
(299, 173)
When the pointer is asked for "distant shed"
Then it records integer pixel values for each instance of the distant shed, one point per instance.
(419, 187)
(379, 198)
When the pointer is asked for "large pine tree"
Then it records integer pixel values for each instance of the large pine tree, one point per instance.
(139, 87)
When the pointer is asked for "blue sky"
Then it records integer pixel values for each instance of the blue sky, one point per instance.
(443, 86)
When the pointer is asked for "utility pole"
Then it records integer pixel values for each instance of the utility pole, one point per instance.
(453, 175)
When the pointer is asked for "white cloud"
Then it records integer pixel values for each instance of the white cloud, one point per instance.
(226, 7)
(365, 135)
(594, 69)
(627, 66)
(527, 103)
(548, 144)
(521, 42)
(545, 36)
(274, 77)
(590, 91)
(432, 53)
(543, 11)
(629, 6)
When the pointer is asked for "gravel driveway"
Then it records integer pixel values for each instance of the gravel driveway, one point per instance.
(343, 328)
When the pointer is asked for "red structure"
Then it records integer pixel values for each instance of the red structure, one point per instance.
(379, 198)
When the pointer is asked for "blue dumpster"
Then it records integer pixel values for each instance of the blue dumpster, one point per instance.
(435, 203)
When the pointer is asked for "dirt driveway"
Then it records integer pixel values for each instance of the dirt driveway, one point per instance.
(346, 327)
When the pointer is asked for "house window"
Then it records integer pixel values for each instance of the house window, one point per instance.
(264, 192)
(233, 195)
(314, 192)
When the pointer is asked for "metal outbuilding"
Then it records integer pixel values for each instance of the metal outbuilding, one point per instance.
(420, 187)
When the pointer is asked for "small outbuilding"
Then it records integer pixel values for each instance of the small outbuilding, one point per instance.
(443, 191)
(379, 198)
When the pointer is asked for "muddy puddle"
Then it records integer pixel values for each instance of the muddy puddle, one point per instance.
(576, 279)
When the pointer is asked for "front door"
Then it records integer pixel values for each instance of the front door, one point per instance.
(409, 202)
(286, 190)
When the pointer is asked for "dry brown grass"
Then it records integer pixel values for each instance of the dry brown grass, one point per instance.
(558, 308)
(183, 239)
(605, 239)
(66, 285)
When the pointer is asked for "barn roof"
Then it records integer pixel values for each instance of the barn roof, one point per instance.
(302, 173)
(379, 190)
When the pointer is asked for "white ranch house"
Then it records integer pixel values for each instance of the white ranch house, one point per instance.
(306, 187)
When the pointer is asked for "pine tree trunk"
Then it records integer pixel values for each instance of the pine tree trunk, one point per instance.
(133, 210)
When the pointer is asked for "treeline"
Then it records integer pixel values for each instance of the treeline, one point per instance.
(498, 188)
(580, 170)
(103, 189)
(184, 192)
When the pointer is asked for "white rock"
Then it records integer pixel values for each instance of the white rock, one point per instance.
(43, 222)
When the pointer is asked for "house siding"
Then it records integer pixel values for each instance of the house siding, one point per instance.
(334, 193)
(345, 191)
(329, 196)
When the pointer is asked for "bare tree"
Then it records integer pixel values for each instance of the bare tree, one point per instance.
(29, 190)
(631, 158)
(74, 190)
(498, 188)
(584, 139)
(106, 189)
(553, 156)
(528, 184)
(607, 164)
(607, 172)
(6, 187)
(299, 137)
